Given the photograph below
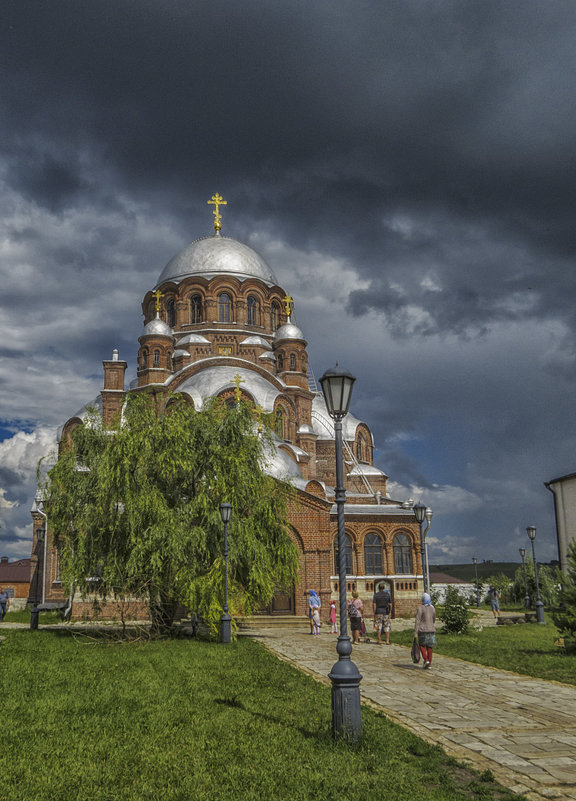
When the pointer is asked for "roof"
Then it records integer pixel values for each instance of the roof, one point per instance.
(444, 578)
(15, 572)
(217, 255)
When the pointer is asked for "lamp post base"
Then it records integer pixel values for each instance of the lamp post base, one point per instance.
(346, 709)
(225, 628)
(540, 612)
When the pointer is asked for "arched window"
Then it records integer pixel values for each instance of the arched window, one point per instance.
(280, 362)
(275, 316)
(402, 554)
(171, 313)
(347, 551)
(303, 364)
(373, 555)
(156, 362)
(361, 449)
(195, 309)
(253, 308)
(168, 362)
(292, 361)
(224, 308)
(280, 422)
(144, 359)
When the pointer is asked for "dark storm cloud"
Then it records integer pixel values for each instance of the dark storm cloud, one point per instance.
(416, 155)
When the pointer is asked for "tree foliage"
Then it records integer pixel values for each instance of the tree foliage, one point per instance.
(136, 507)
(548, 579)
(455, 615)
(564, 617)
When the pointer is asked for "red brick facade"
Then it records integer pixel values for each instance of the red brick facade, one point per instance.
(221, 327)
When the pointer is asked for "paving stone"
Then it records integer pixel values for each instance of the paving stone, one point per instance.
(521, 728)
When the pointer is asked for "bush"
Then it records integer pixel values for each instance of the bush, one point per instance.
(455, 615)
(564, 616)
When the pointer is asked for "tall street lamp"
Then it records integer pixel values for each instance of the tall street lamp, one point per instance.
(420, 513)
(225, 619)
(475, 563)
(539, 605)
(346, 714)
(428, 516)
(527, 595)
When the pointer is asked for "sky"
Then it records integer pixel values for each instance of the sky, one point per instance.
(406, 168)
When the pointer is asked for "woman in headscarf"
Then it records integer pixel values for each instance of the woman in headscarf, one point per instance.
(314, 602)
(425, 630)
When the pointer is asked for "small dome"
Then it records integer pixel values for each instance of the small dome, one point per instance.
(256, 340)
(267, 356)
(178, 353)
(288, 331)
(217, 255)
(192, 339)
(158, 327)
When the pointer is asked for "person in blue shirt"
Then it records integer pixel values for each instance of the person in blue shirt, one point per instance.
(314, 602)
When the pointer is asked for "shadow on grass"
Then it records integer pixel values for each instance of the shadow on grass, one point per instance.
(235, 703)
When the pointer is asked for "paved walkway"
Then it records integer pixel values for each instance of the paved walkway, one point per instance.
(522, 729)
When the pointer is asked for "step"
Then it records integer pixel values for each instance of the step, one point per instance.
(272, 620)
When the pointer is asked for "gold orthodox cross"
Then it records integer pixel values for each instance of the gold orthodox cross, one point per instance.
(288, 304)
(238, 392)
(217, 201)
(157, 295)
(259, 412)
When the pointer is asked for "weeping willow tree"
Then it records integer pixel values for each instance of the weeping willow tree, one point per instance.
(135, 510)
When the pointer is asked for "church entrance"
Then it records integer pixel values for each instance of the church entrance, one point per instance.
(283, 603)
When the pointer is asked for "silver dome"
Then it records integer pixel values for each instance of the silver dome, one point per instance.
(192, 339)
(288, 331)
(158, 327)
(217, 255)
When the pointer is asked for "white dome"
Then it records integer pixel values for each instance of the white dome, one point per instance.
(288, 331)
(158, 327)
(217, 255)
(192, 339)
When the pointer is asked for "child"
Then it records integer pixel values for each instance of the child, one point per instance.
(334, 629)
(316, 621)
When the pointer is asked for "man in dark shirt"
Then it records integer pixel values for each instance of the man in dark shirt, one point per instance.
(3, 603)
(381, 607)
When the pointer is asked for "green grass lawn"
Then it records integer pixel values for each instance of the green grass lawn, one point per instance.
(23, 616)
(95, 720)
(527, 649)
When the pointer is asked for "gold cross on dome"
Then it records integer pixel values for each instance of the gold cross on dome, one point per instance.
(238, 392)
(288, 305)
(217, 201)
(157, 295)
(259, 412)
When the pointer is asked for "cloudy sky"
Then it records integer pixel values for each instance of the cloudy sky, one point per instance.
(408, 170)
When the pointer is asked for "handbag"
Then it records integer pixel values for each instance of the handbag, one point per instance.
(415, 651)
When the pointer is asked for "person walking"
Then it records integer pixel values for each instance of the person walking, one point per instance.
(355, 610)
(494, 600)
(425, 629)
(381, 608)
(334, 629)
(3, 603)
(314, 602)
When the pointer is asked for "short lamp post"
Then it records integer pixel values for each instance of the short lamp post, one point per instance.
(346, 713)
(420, 513)
(225, 619)
(475, 563)
(527, 594)
(539, 605)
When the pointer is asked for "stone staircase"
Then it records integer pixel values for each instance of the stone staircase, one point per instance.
(263, 621)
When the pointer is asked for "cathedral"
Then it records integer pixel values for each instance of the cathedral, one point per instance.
(217, 324)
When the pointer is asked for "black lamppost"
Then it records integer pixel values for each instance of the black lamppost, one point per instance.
(420, 514)
(225, 619)
(346, 714)
(475, 563)
(527, 595)
(539, 605)
(428, 516)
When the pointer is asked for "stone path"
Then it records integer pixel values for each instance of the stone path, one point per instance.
(522, 729)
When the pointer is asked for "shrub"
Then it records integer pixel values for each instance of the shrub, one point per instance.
(455, 615)
(564, 616)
